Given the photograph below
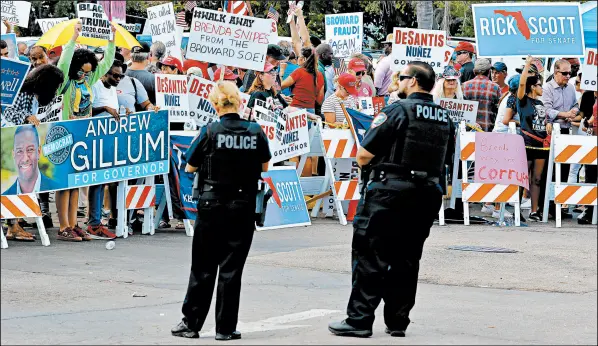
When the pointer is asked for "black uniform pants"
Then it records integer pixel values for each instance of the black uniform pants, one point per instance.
(389, 231)
(223, 234)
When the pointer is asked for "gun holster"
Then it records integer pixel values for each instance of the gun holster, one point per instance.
(197, 186)
(261, 203)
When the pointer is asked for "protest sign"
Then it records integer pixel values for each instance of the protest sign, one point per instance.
(47, 23)
(418, 45)
(16, 12)
(201, 111)
(13, 76)
(371, 105)
(287, 133)
(51, 112)
(522, 29)
(500, 158)
(85, 152)
(229, 39)
(118, 11)
(589, 70)
(134, 24)
(460, 110)
(179, 143)
(286, 207)
(144, 38)
(11, 44)
(94, 22)
(162, 27)
(344, 33)
(171, 94)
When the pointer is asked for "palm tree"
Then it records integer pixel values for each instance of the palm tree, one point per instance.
(425, 14)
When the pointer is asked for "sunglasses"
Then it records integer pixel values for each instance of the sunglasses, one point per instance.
(82, 73)
(403, 77)
(565, 73)
(118, 75)
(360, 73)
(538, 85)
(462, 52)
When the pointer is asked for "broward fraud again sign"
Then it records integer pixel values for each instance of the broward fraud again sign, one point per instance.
(418, 45)
(228, 39)
(76, 153)
(344, 33)
(522, 29)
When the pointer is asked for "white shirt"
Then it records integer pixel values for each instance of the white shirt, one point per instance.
(104, 97)
(38, 183)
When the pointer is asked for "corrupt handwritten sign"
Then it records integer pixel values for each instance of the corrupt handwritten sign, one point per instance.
(85, 152)
(16, 12)
(344, 33)
(589, 69)
(13, 76)
(48, 23)
(94, 22)
(539, 29)
(460, 110)
(161, 22)
(418, 45)
(229, 39)
(171, 94)
(500, 158)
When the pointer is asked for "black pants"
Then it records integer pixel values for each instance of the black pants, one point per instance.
(223, 234)
(174, 184)
(44, 203)
(389, 231)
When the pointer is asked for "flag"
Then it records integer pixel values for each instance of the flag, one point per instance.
(359, 122)
(189, 5)
(180, 19)
(236, 7)
(339, 66)
(272, 13)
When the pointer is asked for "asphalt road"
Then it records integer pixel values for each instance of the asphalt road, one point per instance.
(298, 280)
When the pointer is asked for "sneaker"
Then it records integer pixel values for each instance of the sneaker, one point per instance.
(47, 219)
(81, 213)
(536, 217)
(81, 233)
(526, 203)
(68, 234)
(496, 214)
(395, 333)
(100, 232)
(105, 213)
(488, 209)
(163, 224)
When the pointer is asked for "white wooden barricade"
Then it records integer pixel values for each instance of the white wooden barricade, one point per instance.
(569, 149)
(22, 206)
(483, 192)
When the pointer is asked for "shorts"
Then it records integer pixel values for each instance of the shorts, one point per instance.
(536, 154)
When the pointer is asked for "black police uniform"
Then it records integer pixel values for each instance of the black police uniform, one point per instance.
(229, 156)
(412, 140)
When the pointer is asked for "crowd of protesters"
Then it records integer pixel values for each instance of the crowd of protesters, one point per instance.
(100, 81)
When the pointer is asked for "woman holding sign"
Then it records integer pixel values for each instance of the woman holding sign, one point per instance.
(534, 129)
(81, 70)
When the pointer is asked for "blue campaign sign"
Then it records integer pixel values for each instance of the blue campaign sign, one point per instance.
(178, 160)
(11, 44)
(537, 29)
(144, 38)
(287, 206)
(13, 76)
(76, 153)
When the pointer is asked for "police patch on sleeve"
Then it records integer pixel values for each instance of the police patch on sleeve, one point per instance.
(379, 120)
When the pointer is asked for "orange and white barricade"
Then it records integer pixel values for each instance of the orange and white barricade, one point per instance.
(135, 197)
(483, 192)
(569, 149)
(22, 206)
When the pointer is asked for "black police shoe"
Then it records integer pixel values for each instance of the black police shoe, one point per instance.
(236, 335)
(399, 333)
(183, 331)
(343, 329)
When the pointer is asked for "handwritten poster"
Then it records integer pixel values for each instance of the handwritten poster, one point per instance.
(228, 39)
(162, 27)
(460, 110)
(171, 94)
(16, 12)
(589, 69)
(500, 158)
(344, 33)
(418, 45)
(47, 23)
(95, 23)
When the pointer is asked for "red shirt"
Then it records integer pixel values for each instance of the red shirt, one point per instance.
(504, 89)
(303, 89)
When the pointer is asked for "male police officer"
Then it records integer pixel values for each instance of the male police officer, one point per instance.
(407, 145)
(230, 156)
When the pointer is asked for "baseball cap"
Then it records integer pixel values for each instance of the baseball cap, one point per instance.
(268, 67)
(189, 63)
(170, 61)
(356, 65)
(275, 52)
(450, 73)
(499, 66)
(389, 38)
(482, 65)
(465, 46)
(514, 82)
(142, 48)
(348, 81)
(228, 74)
(532, 69)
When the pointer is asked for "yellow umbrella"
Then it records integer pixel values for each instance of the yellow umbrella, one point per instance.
(61, 33)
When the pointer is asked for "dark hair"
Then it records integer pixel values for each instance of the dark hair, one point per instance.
(530, 82)
(80, 58)
(29, 128)
(310, 64)
(43, 82)
(40, 47)
(3, 44)
(423, 73)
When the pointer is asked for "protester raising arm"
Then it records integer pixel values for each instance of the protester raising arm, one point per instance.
(295, 38)
(303, 32)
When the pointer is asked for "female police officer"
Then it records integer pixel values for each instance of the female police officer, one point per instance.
(229, 157)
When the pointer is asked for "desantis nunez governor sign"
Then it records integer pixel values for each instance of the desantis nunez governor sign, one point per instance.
(75, 153)
(520, 29)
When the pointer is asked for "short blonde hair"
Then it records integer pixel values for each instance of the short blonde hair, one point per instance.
(394, 85)
(226, 96)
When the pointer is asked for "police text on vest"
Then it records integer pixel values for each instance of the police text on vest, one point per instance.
(432, 113)
(237, 142)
